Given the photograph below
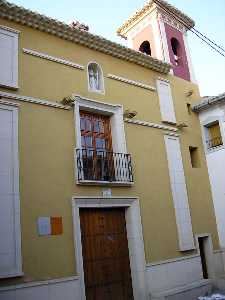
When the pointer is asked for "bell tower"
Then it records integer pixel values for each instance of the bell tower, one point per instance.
(160, 30)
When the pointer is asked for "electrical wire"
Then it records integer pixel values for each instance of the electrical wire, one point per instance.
(211, 41)
(214, 48)
(200, 35)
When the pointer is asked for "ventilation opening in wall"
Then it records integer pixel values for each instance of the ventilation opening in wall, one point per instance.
(145, 48)
(194, 156)
(176, 51)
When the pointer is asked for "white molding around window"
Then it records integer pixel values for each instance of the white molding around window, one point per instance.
(117, 124)
(9, 57)
(16, 263)
(132, 82)
(53, 58)
(117, 128)
(205, 132)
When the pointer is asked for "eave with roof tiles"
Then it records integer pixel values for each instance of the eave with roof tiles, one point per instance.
(208, 101)
(40, 22)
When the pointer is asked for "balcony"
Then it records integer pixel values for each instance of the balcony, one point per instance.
(103, 167)
(214, 143)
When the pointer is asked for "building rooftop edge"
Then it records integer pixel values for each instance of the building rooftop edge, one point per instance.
(162, 4)
(49, 25)
(206, 102)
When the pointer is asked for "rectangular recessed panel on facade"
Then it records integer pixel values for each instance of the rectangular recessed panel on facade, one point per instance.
(8, 57)
(8, 234)
(166, 101)
(179, 193)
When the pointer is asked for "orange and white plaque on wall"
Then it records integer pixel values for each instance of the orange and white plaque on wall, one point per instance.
(49, 226)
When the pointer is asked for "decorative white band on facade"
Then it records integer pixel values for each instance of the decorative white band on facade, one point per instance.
(9, 103)
(149, 124)
(32, 100)
(53, 58)
(164, 79)
(172, 134)
(38, 283)
(10, 29)
(175, 23)
(172, 260)
(132, 82)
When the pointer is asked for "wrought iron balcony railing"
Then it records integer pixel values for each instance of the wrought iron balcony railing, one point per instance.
(215, 142)
(103, 166)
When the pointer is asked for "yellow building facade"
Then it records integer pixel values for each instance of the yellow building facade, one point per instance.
(90, 139)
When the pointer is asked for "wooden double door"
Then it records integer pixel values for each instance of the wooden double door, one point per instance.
(106, 262)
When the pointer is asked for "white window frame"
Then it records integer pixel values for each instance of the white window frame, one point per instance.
(205, 132)
(115, 111)
(15, 35)
(102, 90)
(16, 195)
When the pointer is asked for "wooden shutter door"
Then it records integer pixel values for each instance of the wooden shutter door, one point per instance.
(105, 254)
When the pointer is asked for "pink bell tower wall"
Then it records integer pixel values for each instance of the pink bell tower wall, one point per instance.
(145, 35)
(181, 70)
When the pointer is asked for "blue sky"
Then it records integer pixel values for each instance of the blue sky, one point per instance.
(104, 17)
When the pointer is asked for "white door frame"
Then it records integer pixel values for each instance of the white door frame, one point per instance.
(134, 236)
(209, 253)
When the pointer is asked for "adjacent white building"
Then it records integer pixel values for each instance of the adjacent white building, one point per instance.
(211, 112)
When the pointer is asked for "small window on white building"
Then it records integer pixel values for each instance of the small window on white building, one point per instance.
(8, 57)
(95, 78)
(213, 136)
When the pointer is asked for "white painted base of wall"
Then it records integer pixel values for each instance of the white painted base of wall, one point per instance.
(187, 292)
(182, 278)
(219, 263)
(219, 283)
(174, 273)
(174, 279)
(58, 289)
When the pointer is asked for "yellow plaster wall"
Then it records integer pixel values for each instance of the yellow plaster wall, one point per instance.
(47, 142)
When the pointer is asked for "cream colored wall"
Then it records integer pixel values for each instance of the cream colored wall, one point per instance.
(47, 165)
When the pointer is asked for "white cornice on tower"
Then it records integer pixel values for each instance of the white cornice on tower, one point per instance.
(147, 9)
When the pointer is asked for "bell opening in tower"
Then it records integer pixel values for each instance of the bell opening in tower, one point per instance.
(176, 48)
(145, 48)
